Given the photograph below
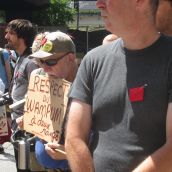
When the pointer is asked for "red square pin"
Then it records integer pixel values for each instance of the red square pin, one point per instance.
(136, 94)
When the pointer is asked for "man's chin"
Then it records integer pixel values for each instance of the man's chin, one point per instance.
(107, 25)
(11, 45)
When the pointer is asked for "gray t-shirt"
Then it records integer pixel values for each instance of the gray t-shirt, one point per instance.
(129, 93)
(22, 72)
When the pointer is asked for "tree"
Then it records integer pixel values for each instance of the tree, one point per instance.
(59, 13)
(2, 16)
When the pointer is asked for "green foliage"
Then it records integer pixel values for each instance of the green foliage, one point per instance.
(2, 16)
(58, 14)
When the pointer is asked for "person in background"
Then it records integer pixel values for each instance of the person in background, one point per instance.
(13, 57)
(5, 70)
(20, 35)
(55, 54)
(164, 17)
(109, 38)
(123, 93)
(2, 111)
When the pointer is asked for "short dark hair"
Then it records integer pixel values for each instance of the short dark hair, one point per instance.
(24, 29)
(154, 4)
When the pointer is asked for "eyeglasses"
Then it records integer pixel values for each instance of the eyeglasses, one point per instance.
(52, 62)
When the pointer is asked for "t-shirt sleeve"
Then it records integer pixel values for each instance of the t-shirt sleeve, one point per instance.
(82, 88)
(30, 67)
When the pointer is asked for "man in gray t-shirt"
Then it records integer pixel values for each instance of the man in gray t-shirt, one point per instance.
(20, 34)
(123, 94)
(22, 31)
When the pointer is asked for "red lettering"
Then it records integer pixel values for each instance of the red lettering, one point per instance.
(42, 85)
(47, 84)
(35, 84)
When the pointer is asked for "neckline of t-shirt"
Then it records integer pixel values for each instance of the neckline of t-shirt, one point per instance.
(148, 49)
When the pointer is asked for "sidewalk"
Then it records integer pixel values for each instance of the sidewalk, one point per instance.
(7, 159)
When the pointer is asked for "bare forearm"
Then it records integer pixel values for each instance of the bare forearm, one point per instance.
(159, 161)
(79, 156)
(77, 136)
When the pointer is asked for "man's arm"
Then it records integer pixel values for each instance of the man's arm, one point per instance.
(77, 137)
(161, 160)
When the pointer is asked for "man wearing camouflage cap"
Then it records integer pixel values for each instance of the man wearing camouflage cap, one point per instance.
(55, 53)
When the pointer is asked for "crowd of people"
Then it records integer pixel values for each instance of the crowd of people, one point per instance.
(6, 71)
(119, 109)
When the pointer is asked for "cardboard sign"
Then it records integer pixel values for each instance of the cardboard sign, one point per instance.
(45, 107)
(3, 122)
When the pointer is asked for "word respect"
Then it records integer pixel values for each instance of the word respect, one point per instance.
(47, 86)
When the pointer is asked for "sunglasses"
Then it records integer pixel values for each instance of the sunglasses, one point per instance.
(52, 62)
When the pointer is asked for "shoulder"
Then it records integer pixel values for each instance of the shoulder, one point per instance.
(102, 58)
(5, 54)
(104, 52)
(29, 64)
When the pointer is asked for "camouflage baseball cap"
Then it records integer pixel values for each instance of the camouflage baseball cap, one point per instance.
(49, 43)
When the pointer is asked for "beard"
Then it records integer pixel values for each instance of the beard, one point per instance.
(11, 45)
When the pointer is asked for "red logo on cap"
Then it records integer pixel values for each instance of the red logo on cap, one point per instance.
(43, 41)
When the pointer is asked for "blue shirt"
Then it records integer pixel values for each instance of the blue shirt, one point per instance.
(46, 161)
(3, 73)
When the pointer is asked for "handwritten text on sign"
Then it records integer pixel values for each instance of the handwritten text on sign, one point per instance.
(45, 106)
(3, 122)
